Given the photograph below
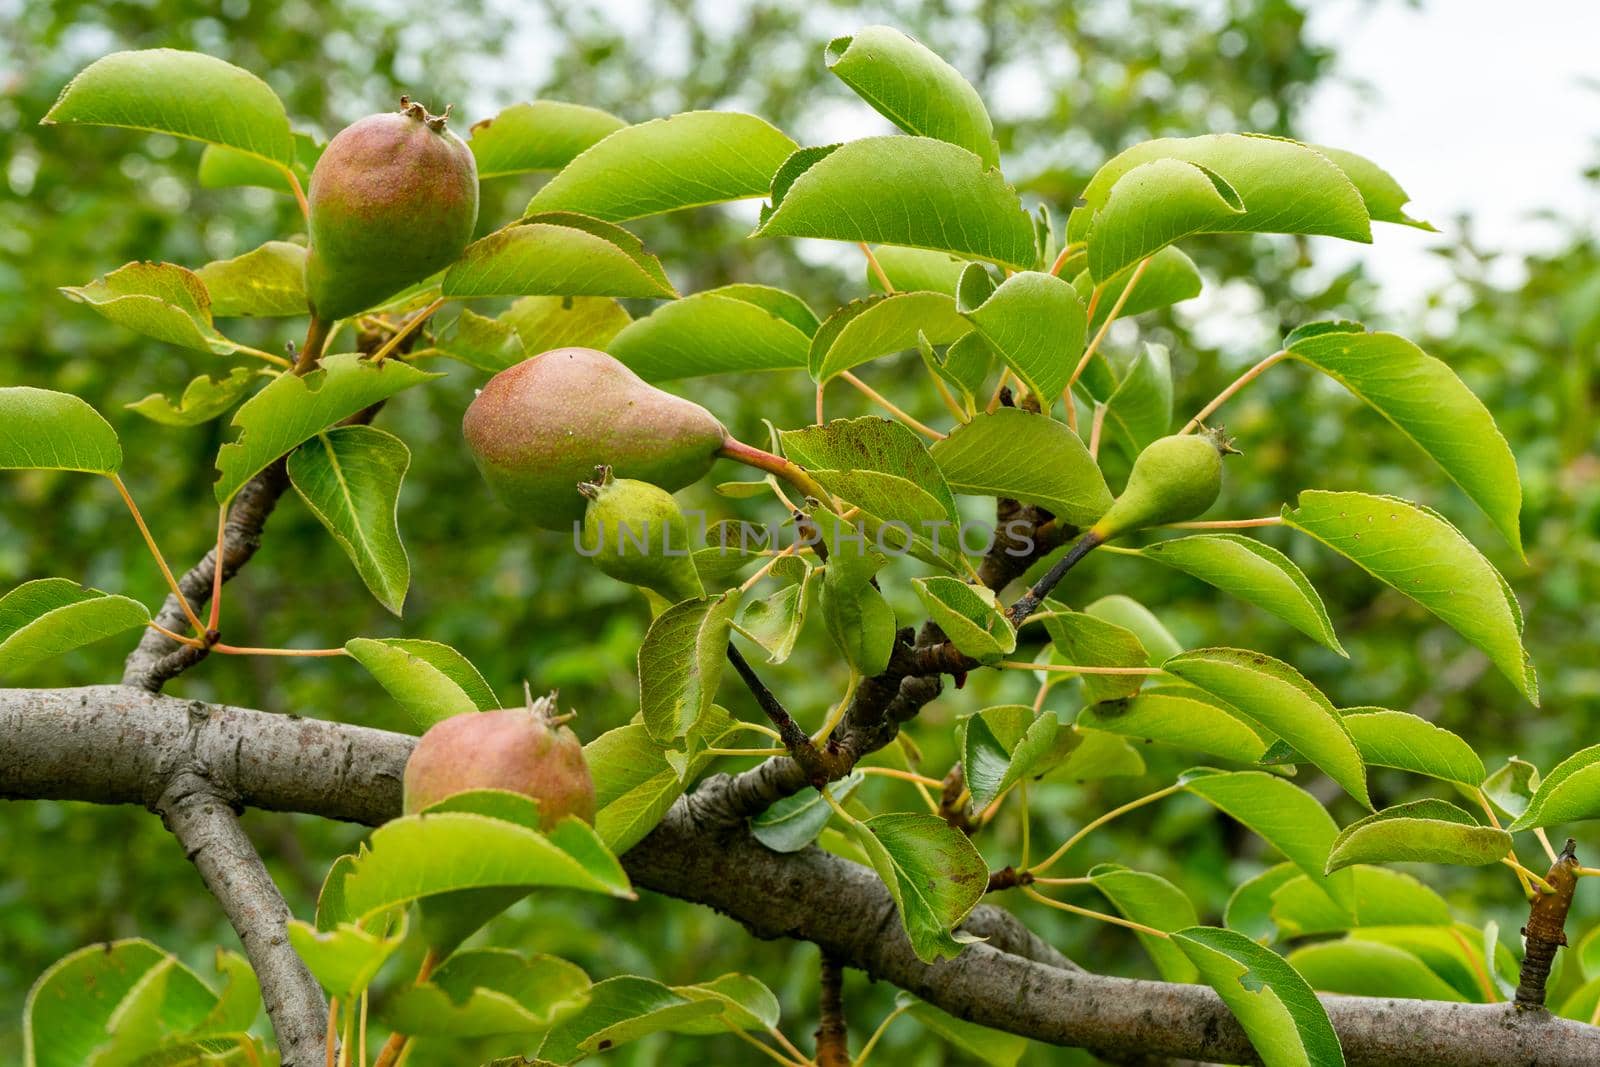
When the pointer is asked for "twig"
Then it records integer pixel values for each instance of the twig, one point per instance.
(197, 813)
(155, 551)
(1115, 920)
(1148, 798)
(833, 1037)
(1547, 928)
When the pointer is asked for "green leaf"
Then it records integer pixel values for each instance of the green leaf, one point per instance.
(1417, 552)
(1428, 403)
(964, 364)
(686, 160)
(1154, 204)
(863, 330)
(1095, 755)
(541, 135)
(913, 270)
(1281, 813)
(546, 322)
(1407, 743)
(1284, 186)
(1384, 199)
(1511, 788)
(1013, 453)
(1092, 642)
(186, 94)
(747, 1004)
(49, 616)
(932, 871)
(680, 664)
(997, 754)
(1140, 408)
(634, 783)
(859, 620)
(1169, 277)
(1582, 1002)
(1369, 969)
(896, 516)
(266, 281)
(1454, 953)
(873, 444)
(913, 88)
(291, 410)
(204, 398)
(1153, 901)
(912, 191)
(994, 1048)
(487, 991)
(350, 477)
(126, 1002)
(621, 1010)
(420, 856)
(1275, 695)
(1382, 897)
(160, 300)
(557, 254)
(227, 168)
(1253, 572)
(1423, 831)
(41, 429)
(795, 821)
(1249, 909)
(734, 328)
(1182, 716)
(970, 616)
(1132, 615)
(347, 957)
(1283, 1018)
(481, 342)
(427, 679)
(1034, 320)
(774, 621)
(1569, 793)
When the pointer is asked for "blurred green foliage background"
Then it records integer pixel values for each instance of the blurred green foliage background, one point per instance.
(83, 201)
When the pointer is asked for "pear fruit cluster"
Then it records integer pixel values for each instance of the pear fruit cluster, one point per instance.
(541, 427)
(521, 750)
(638, 535)
(1174, 479)
(393, 199)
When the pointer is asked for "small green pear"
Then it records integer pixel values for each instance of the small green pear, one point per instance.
(1174, 479)
(539, 428)
(634, 532)
(392, 199)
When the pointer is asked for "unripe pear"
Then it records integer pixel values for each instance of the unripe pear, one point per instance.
(393, 199)
(1174, 479)
(521, 750)
(539, 428)
(636, 534)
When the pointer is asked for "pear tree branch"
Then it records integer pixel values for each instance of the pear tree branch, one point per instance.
(123, 745)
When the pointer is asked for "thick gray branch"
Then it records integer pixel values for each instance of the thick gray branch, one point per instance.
(104, 744)
(205, 824)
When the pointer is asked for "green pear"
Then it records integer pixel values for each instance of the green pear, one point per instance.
(1174, 479)
(393, 199)
(539, 428)
(636, 534)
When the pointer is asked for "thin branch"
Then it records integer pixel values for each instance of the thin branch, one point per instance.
(1111, 318)
(201, 817)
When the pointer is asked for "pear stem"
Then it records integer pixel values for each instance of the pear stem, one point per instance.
(311, 351)
(762, 460)
(1237, 384)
